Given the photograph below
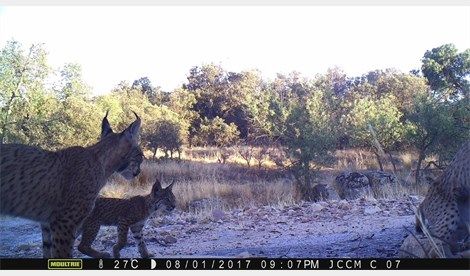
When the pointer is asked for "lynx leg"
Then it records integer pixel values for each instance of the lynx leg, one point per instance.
(88, 236)
(64, 229)
(46, 240)
(122, 240)
(136, 230)
(63, 237)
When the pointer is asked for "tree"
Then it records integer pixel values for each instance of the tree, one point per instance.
(405, 87)
(223, 94)
(76, 121)
(22, 80)
(166, 135)
(436, 128)
(181, 102)
(247, 153)
(308, 135)
(216, 132)
(208, 84)
(336, 87)
(154, 94)
(124, 99)
(377, 124)
(447, 71)
(261, 149)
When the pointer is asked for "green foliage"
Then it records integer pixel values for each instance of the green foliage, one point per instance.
(379, 120)
(447, 71)
(381, 83)
(154, 94)
(308, 136)
(223, 94)
(124, 99)
(437, 128)
(22, 90)
(215, 132)
(181, 102)
(382, 109)
(75, 121)
(166, 135)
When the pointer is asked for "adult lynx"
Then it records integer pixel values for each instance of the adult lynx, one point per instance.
(59, 189)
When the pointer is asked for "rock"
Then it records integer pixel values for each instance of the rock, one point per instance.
(382, 183)
(319, 193)
(218, 215)
(244, 255)
(370, 210)
(166, 220)
(332, 193)
(191, 220)
(169, 239)
(25, 247)
(352, 185)
(316, 193)
(415, 199)
(166, 240)
(421, 247)
(204, 204)
(315, 207)
(344, 205)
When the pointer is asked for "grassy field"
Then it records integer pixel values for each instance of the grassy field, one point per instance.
(204, 184)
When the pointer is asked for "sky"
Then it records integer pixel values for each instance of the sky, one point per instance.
(114, 43)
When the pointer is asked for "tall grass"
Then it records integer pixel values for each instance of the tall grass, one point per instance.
(232, 185)
(235, 185)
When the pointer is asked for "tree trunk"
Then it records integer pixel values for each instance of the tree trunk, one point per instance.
(155, 153)
(377, 155)
(307, 182)
(418, 166)
(393, 163)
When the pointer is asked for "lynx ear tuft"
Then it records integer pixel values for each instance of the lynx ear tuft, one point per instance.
(105, 126)
(133, 130)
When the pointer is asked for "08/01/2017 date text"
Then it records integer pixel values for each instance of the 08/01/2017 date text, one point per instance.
(302, 264)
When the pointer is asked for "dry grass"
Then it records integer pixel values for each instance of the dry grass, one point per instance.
(405, 162)
(436, 245)
(235, 185)
(355, 160)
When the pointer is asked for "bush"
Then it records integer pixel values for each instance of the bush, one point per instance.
(166, 135)
(309, 138)
(377, 124)
(216, 132)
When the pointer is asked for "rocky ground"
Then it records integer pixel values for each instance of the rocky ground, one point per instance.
(363, 228)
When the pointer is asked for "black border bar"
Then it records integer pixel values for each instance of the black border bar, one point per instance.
(235, 264)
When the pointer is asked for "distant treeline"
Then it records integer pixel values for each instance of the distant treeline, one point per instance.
(385, 110)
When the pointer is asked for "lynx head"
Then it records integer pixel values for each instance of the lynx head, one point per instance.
(164, 200)
(128, 155)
